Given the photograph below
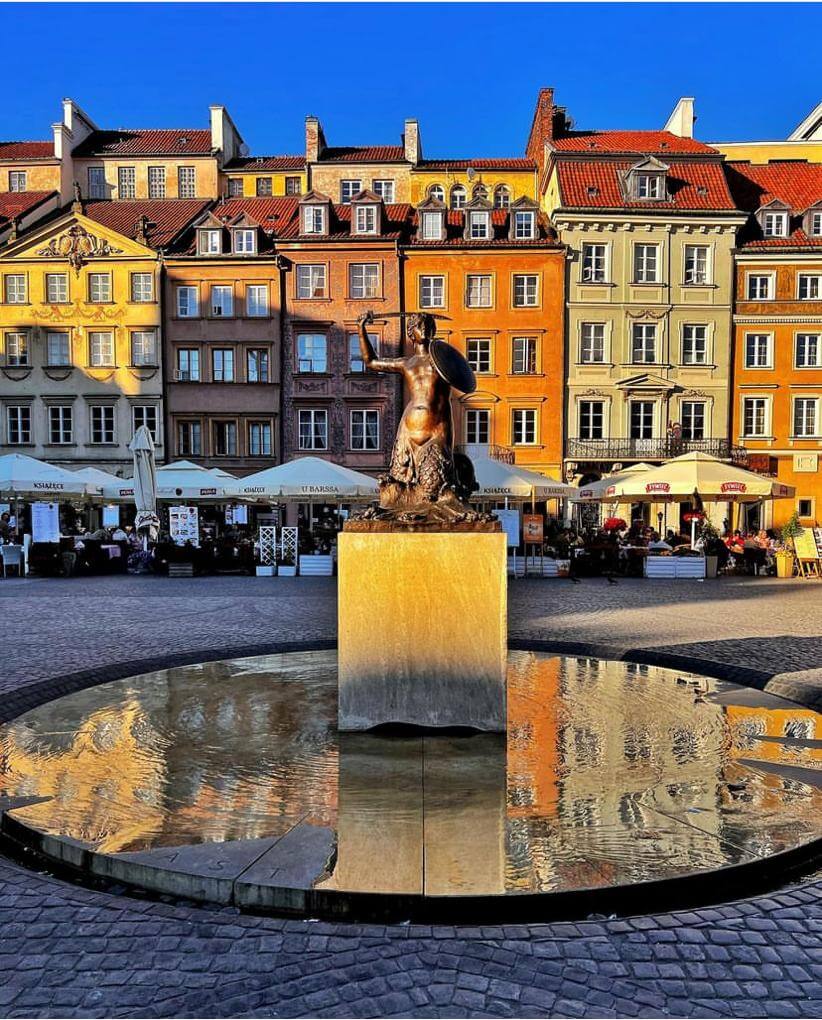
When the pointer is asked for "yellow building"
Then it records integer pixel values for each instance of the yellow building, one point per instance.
(264, 177)
(803, 143)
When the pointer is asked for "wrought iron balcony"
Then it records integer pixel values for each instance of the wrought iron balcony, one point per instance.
(502, 453)
(651, 449)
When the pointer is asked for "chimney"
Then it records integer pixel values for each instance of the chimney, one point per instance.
(681, 121)
(314, 139)
(542, 126)
(411, 141)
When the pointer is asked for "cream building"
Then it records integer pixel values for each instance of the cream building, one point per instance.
(803, 143)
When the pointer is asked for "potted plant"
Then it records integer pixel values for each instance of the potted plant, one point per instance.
(711, 541)
(286, 568)
(785, 551)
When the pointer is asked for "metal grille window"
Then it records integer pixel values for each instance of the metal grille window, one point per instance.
(696, 263)
(312, 352)
(142, 287)
(478, 353)
(594, 263)
(57, 291)
(144, 347)
(18, 425)
(311, 282)
(313, 429)
(365, 430)
(348, 189)
(591, 419)
(156, 182)
(693, 419)
(754, 416)
(757, 350)
(259, 439)
(14, 289)
(385, 189)
(642, 419)
(694, 345)
(225, 438)
(806, 417)
(808, 350)
(188, 364)
(57, 349)
(524, 225)
(759, 287)
(646, 263)
(432, 292)
(188, 306)
(526, 290)
(524, 360)
(126, 182)
(189, 439)
(102, 423)
(144, 414)
(478, 426)
(364, 280)
(293, 186)
(592, 343)
(17, 349)
(101, 350)
(60, 424)
(643, 343)
(222, 364)
(17, 180)
(477, 291)
(96, 182)
(366, 219)
(222, 302)
(186, 182)
(355, 362)
(263, 187)
(525, 426)
(810, 287)
(257, 366)
(99, 288)
(256, 300)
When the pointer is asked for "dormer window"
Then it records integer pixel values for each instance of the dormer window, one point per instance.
(431, 222)
(646, 181)
(775, 224)
(479, 225)
(437, 192)
(502, 197)
(245, 241)
(365, 219)
(480, 191)
(314, 219)
(815, 223)
(458, 197)
(649, 186)
(210, 242)
(524, 225)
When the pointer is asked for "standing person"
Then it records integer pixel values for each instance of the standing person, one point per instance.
(5, 527)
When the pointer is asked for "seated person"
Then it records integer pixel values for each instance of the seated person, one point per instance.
(657, 545)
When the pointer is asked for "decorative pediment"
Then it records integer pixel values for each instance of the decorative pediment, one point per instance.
(77, 245)
(646, 181)
(775, 205)
(646, 382)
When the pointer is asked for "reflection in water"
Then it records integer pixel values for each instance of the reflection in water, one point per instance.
(610, 773)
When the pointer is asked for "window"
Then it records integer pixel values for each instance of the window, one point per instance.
(694, 345)
(432, 292)
(17, 180)
(478, 426)
(365, 220)
(458, 197)
(431, 226)
(524, 360)
(642, 419)
(259, 439)
(256, 300)
(385, 189)
(126, 182)
(96, 182)
(293, 186)
(188, 364)
(364, 280)
(696, 263)
(365, 430)
(437, 192)
(314, 219)
(754, 417)
(592, 343)
(355, 362)
(312, 352)
(225, 439)
(477, 291)
(18, 425)
(222, 301)
(806, 417)
(222, 364)
(313, 429)
(263, 187)
(57, 292)
(156, 182)
(816, 224)
(186, 182)
(594, 263)
(142, 287)
(57, 350)
(693, 419)
(524, 225)
(245, 242)
(102, 423)
(643, 346)
(101, 350)
(144, 414)
(257, 366)
(189, 439)
(775, 224)
(758, 350)
(479, 191)
(188, 304)
(348, 189)
(210, 242)
(810, 287)
(526, 290)
(60, 424)
(649, 186)
(15, 290)
(591, 419)
(99, 288)
(805, 507)
(502, 197)
(646, 263)
(478, 353)
(808, 350)
(144, 348)
(479, 224)
(311, 282)
(17, 349)
(759, 287)
(235, 187)
(525, 426)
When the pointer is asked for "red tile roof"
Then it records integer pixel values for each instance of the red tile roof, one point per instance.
(15, 203)
(266, 163)
(798, 185)
(513, 163)
(146, 142)
(455, 226)
(168, 218)
(657, 142)
(396, 220)
(363, 154)
(26, 150)
(272, 214)
(596, 184)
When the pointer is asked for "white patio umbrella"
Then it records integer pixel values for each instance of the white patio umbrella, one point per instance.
(308, 479)
(183, 479)
(144, 483)
(102, 480)
(28, 478)
(498, 480)
(600, 491)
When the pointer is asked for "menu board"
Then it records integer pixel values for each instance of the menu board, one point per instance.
(532, 526)
(183, 525)
(111, 515)
(808, 544)
(45, 522)
(236, 514)
(510, 525)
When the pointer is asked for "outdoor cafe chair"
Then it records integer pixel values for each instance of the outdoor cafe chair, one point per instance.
(12, 557)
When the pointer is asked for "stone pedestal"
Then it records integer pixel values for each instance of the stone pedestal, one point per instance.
(422, 629)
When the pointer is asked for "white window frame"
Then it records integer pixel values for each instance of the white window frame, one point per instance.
(126, 182)
(51, 336)
(477, 355)
(817, 363)
(156, 182)
(188, 301)
(186, 182)
(458, 198)
(775, 223)
(61, 424)
(256, 301)
(593, 272)
(349, 187)
(313, 363)
(810, 282)
(693, 276)
(485, 301)
(313, 416)
(474, 419)
(592, 339)
(16, 289)
(649, 186)
(431, 287)
(18, 181)
(144, 348)
(749, 280)
(479, 224)
(227, 371)
(101, 349)
(100, 289)
(531, 355)
(244, 240)
(769, 345)
(520, 417)
(22, 417)
(647, 258)
(365, 219)
(363, 280)
(502, 197)
(107, 425)
(524, 224)
(312, 281)
(142, 414)
(525, 303)
(385, 188)
(235, 187)
(814, 402)
(355, 354)
(210, 241)
(705, 340)
(17, 341)
(766, 417)
(365, 412)
(431, 225)
(437, 191)
(64, 289)
(645, 329)
(140, 294)
(816, 223)
(217, 300)
(315, 219)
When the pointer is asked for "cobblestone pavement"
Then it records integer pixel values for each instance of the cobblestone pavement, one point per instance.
(67, 950)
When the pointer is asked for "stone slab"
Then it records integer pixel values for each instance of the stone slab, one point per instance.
(422, 630)
(282, 878)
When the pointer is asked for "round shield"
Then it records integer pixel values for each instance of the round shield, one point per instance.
(452, 366)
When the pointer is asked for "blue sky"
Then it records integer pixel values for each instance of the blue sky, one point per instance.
(469, 72)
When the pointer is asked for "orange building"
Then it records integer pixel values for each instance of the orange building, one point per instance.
(777, 403)
(496, 279)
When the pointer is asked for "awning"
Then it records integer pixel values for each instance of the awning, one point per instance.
(602, 491)
(306, 480)
(498, 480)
(182, 481)
(30, 478)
